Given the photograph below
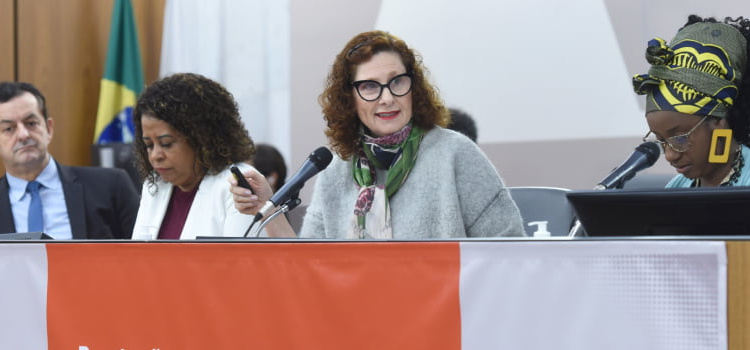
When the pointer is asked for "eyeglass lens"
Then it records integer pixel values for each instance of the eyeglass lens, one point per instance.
(371, 90)
(678, 143)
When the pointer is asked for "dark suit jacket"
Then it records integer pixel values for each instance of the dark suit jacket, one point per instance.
(102, 202)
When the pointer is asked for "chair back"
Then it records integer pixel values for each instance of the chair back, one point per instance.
(545, 210)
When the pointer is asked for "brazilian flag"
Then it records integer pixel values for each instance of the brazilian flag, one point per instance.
(123, 79)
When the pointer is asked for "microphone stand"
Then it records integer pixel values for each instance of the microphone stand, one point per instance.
(289, 205)
(576, 230)
(633, 164)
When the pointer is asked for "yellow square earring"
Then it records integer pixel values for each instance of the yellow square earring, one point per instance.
(725, 135)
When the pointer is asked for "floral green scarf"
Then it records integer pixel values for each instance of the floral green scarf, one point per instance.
(397, 153)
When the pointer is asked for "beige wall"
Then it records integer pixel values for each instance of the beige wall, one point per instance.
(319, 30)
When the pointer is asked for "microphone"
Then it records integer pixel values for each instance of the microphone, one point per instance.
(645, 155)
(315, 162)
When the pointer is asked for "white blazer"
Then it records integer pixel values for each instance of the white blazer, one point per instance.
(211, 214)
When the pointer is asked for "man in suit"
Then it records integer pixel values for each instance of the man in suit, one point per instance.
(39, 194)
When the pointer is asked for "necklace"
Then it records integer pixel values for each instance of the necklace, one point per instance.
(737, 165)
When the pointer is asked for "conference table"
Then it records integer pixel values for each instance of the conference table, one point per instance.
(625, 293)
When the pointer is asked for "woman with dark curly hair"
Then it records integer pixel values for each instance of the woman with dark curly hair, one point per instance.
(399, 174)
(188, 134)
(698, 101)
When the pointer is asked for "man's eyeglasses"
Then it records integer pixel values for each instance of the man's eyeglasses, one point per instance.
(370, 90)
(679, 143)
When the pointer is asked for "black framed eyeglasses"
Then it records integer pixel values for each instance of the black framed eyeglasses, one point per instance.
(370, 90)
(678, 143)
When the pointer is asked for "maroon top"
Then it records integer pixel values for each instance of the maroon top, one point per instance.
(177, 212)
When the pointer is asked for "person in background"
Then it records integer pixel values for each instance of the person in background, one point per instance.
(38, 194)
(398, 173)
(698, 101)
(188, 134)
(463, 123)
(269, 162)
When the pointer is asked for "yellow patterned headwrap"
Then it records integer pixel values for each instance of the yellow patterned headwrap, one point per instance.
(697, 73)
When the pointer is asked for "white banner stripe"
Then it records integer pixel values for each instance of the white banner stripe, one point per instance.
(23, 296)
(593, 295)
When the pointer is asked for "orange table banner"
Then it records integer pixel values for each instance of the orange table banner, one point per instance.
(363, 295)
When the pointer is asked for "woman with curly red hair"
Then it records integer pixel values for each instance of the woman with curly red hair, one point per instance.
(399, 174)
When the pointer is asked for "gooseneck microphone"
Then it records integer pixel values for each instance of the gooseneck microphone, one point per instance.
(317, 161)
(644, 156)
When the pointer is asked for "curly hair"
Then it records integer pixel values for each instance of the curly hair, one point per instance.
(739, 116)
(338, 97)
(204, 112)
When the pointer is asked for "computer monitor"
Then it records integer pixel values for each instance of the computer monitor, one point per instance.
(664, 212)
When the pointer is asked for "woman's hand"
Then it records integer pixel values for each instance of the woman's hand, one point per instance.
(248, 203)
(244, 200)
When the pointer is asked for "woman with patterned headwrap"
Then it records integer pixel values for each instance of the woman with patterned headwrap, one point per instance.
(698, 101)
(399, 174)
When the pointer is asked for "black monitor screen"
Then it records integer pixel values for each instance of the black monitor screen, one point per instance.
(664, 212)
